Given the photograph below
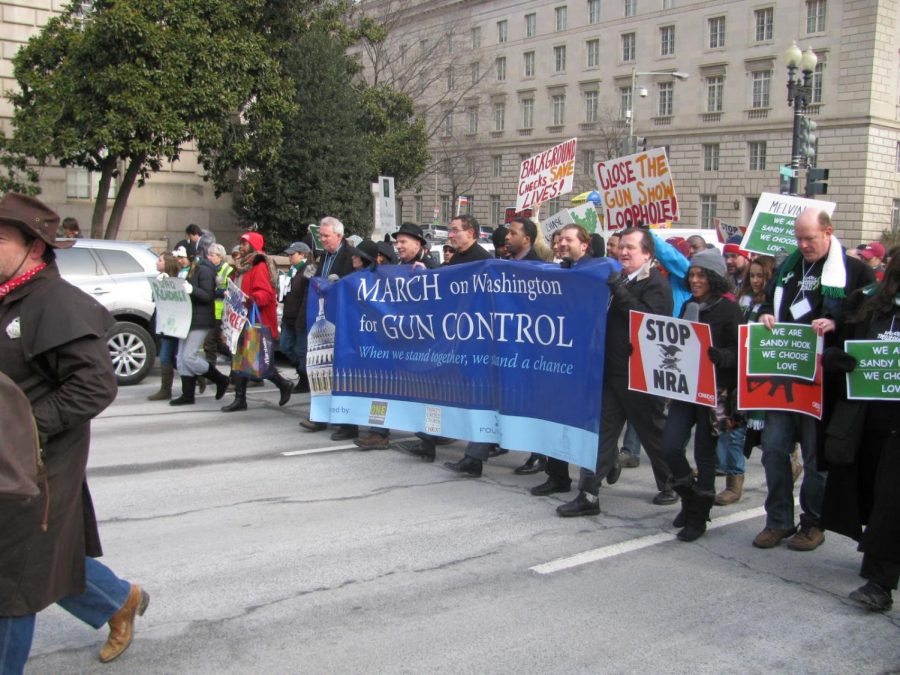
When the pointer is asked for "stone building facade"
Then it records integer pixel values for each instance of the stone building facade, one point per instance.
(551, 70)
(171, 198)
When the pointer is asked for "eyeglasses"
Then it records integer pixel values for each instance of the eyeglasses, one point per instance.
(456, 230)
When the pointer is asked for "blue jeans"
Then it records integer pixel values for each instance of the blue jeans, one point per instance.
(782, 430)
(682, 417)
(167, 348)
(631, 443)
(730, 452)
(104, 595)
(293, 345)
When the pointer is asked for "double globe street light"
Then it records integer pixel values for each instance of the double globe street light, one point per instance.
(800, 92)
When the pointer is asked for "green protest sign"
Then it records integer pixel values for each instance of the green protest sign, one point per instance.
(771, 228)
(789, 349)
(317, 242)
(877, 372)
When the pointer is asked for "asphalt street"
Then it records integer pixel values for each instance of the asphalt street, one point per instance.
(335, 560)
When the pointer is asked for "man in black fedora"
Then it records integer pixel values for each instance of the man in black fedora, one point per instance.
(53, 347)
(412, 247)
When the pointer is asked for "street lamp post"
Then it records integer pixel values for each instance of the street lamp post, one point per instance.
(677, 74)
(799, 96)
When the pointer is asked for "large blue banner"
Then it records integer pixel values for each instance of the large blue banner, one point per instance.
(494, 351)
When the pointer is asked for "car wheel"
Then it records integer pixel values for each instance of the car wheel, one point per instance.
(132, 351)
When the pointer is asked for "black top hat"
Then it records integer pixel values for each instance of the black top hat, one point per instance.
(412, 230)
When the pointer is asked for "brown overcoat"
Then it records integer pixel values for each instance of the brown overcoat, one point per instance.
(53, 346)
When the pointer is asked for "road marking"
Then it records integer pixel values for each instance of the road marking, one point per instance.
(317, 451)
(613, 550)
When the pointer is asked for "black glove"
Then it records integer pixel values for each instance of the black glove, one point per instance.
(836, 360)
(717, 356)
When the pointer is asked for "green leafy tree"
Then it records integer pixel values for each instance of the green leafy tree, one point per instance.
(324, 164)
(124, 88)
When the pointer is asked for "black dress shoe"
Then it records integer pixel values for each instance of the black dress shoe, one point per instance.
(873, 597)
(534, 464)
(551, 486)
(496, 451)
(613, 476)
(423, 450)
(665, 498)
(343, 434)
(580, 506)
(467, 466)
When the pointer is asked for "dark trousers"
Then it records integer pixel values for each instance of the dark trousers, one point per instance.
(682, 417)
(883, 572)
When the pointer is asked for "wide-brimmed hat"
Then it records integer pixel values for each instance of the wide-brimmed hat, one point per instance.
(367, 250)
(412, 230)
(32, 217)
(386, 249)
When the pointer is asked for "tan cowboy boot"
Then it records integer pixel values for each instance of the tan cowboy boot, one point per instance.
(121, 625)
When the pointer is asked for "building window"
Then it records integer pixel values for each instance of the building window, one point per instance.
(448, 123)
(418, 202)
(497, 165)
(593, 53)
(667, 41)
(666, 89)
(895, 216)
(451, 79)
(528, 58)
(84, 184)
(559, 59)
(628, 47)
(451, 46)
(470, 166)
(445, 208)
(499, 116)
(528, 113)
(715, 90)
(591, 105)
(561, 15)
(708, 206)
(898, 156)
(668, 4)
(815, 16)
(476, 37)
(497, 214)
(530, 25)
(817, 80)
(403, 50)
(472, 112)
(762, 79)
(500, 67)
(757, 153)
(624, 102)
(588, 159)
(763, 19)
(710, 156)
(475, 69)
(502, 31)
(593, 11)
(559, 109)
(716, 27)
(630, 7)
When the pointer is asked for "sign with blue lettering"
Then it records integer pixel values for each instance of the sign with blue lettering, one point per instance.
(490, 351)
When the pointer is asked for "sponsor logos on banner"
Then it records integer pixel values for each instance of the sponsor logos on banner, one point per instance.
(546, 175)
(669, 359)
(173, 307)
(877, 372)
(771, 229)
(637, 188)
(491, 351)
(789, 393)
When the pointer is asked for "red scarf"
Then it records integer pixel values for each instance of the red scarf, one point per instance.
(21, 280)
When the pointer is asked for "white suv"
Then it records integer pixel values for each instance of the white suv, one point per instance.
(116, 274)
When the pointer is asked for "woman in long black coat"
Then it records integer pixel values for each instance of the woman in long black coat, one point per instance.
(862, 499)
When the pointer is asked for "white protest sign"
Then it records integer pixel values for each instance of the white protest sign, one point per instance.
(387, 204)
(670, 359)
(771, 228)
(555, 223)
(547, 175)
(173, 307)
(234, 315)
(637, 189)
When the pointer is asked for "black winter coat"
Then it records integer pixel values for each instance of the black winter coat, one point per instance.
(723, 316)
(203, 295)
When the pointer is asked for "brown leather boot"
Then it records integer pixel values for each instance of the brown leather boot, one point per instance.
(734, 490)
(121, 625)
(165, 385)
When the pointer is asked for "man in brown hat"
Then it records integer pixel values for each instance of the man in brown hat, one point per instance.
(53, 346)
